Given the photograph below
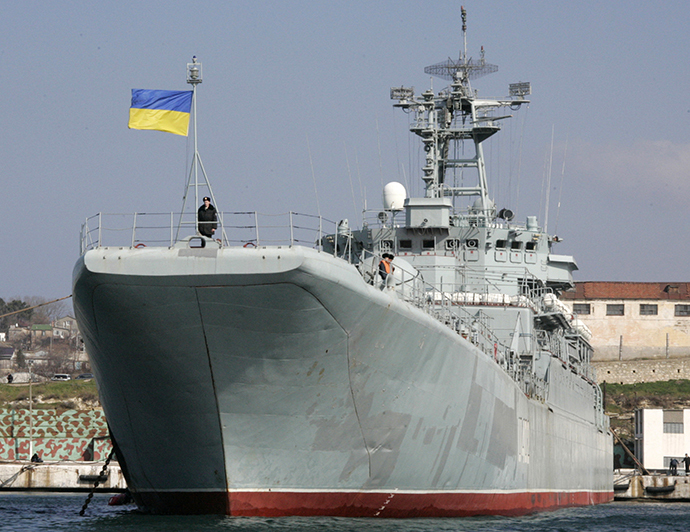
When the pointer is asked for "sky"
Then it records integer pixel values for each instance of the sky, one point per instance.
(294, 114)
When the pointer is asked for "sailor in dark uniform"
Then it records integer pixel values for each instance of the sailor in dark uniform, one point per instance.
(208, 218)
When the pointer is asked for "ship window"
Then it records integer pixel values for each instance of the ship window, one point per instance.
(649, 310)
(682, 310)
(615, 310)
(386, 245)
(516, 245)
(452, 244)
(405, 244)
(530, 246)
(501, 244)
(472, 243)
(428, 244)
(582, 308)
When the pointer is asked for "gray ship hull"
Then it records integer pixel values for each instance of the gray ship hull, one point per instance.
(274, 381)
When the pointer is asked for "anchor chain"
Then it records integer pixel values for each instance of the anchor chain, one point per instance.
(98, 480)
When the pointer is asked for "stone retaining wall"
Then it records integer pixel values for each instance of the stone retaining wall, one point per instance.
(633, 372)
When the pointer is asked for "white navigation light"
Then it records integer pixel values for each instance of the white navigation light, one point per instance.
(194, 72)
(394, 195)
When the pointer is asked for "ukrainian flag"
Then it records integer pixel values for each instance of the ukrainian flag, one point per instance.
(160, 110)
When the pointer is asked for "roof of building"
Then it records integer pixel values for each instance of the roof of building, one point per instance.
(626, 290)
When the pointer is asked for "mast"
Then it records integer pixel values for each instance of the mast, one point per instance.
(444, 121)
(194, 77)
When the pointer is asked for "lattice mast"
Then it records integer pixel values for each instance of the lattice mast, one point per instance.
(453, 116)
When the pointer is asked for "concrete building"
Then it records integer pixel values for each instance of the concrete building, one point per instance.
(632, 321)
(660, 435)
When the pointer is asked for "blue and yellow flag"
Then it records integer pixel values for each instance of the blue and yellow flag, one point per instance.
(160, 110)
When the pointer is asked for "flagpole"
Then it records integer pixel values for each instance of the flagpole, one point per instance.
(196, 146)
(194, 78)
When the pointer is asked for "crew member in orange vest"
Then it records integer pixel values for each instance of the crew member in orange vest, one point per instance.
(385, 266)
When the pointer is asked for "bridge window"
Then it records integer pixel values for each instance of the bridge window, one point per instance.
(428, 244)
(516, 245)
(501, 244)
(405, 244)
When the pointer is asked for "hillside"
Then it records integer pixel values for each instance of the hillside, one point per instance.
(75, 394)
(621, 401)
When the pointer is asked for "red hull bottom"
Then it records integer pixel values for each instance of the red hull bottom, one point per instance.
(367, 504)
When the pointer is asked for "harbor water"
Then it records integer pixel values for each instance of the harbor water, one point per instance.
(21, 512)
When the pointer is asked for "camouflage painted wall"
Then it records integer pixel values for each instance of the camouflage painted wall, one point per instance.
(58, 434)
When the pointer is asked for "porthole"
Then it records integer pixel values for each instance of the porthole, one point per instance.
(452, 244)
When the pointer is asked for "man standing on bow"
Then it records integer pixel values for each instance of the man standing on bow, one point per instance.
(207, 218)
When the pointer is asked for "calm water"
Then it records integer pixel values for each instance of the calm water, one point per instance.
(57, 513)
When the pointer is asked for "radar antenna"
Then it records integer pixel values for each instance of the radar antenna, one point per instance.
(465, 67)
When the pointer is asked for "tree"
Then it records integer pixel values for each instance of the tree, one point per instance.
(12, 306)
(21, 359)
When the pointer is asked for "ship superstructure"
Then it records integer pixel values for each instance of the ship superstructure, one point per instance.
(306, 384)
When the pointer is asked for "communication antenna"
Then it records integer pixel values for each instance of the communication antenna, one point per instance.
(194, 77)
(465, 68)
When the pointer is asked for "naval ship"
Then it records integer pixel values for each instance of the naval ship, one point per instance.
(291, 374)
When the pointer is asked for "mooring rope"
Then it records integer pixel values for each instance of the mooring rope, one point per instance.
(14, 477)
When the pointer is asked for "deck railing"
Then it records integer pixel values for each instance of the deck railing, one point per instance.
(233, 229)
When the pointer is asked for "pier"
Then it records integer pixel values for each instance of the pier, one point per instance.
(68, 476)
(629, 485)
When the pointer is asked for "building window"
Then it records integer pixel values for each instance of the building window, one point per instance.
(582, 308)
(682, 310)
(649, 310)
(673, 421)
(615, 310)
(673, 428)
